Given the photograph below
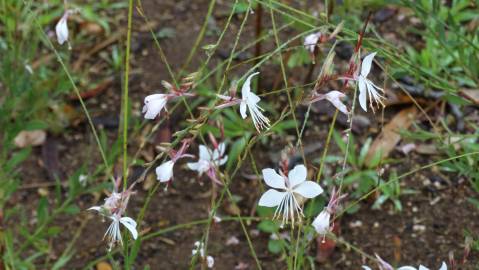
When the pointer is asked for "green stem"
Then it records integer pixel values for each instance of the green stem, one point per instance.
(125, 95)
(200, 35)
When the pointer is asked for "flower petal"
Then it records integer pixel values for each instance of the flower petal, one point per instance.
(407, 267)
(362, 93)
(311, 40)
(383, 265)
(335, 98)
(153, 105)
(210, 261)
(243, 109)
(321, 222)
(443, 266)
(204, 153)
(193, 165)
(366, 64)
(130, 224)
(297, 175)
(61, 29)
(96, 208)
(221, 149)
(223, 160)
(164, 172)
(273, 179)
(246, 88)
(271, 198)
(253, 98)
(308, 189)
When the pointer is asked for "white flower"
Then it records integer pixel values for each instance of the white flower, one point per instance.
(210, 261)
(200, 250)
(335, 98)
(249, 101)
(383, 265)
(368, 88)
(321, 222)
(154, 104)
(61, 29)
(421, 267)
(164, 172)
(208, 159)
(113, 204)
(293, 185)
(113, 233)
(311, 40)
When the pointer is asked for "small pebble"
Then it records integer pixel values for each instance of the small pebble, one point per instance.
(355, 224)
(419, 228)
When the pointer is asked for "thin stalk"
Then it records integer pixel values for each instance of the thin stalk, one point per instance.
(283, 73)
(328, 140)
(200, 36)
(125, 95)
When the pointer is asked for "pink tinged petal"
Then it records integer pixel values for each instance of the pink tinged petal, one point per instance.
(335, 98)
(383, 265)
(61, 30)
(130, 224)
(362, 93)
(243, 109)
(164, 172)
(204, 152)
(297, 175)
(273, 179)
(366, 64)
(271, 198)
(246, 89)
(308, 189)
(223, 97)
(321, 222)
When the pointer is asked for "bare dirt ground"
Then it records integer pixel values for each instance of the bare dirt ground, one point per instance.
(429, 227)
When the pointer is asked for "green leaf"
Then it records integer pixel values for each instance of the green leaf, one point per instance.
(236, 150)
(473, 201)
(54, 230)
(17, 158)
(268, 226)
(42, 210)
(62, 261)
(72, 209)
(274, 246)
(364, 151)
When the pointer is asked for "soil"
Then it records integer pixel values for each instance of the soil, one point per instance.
(430, 226)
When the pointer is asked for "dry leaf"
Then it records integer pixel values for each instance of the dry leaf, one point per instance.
(103, 266)
(30, 138)
(389, 137)
(232, 209)
(471, 94)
